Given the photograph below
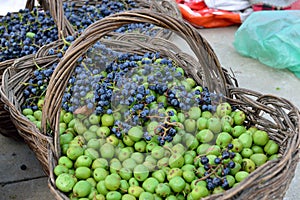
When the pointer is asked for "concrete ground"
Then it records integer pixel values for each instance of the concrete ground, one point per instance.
(21, 176)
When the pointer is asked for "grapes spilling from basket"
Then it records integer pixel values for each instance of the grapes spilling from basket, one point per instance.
(135, 127)
(23, 33)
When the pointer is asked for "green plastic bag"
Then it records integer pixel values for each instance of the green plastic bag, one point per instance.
(273, 38)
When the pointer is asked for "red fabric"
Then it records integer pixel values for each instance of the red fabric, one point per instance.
(198, 14)
(259, 7)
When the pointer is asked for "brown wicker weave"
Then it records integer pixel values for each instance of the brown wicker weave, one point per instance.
(277, 116)
(55, 7)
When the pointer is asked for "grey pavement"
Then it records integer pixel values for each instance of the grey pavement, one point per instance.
(21, 176)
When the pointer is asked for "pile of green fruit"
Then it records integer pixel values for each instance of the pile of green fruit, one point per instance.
(139, 129)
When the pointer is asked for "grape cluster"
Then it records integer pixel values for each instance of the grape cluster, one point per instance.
(25, 32)
(215, 174)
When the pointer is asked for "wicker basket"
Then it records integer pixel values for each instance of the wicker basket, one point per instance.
(279, 117)
(165, 6)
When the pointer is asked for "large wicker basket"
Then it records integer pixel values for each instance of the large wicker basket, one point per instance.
(277, 116)
(65, 28)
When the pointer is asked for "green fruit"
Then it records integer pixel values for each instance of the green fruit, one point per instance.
(237, 145)
(273, 157)
(140, 146)
(177, 184)
(201, 123)
(60, 169)
(238, 158)
(107, 120)
(88, 135)
(206, 114)
(241, 175)
(190, 125)
(223, 109)
(199, 192)
(67, 117)
(74, 152)
(246, 152)
(173, 173)
(92, 153)
(205, 136)
(135, 190)
(128, 141)
(238, 130)
(159, 175)
(236, 168)
(257, 149)
(65, 161)
(115, 167)
(135, 133)
(162, 99)
(239, 117)
(100, 163)
(129, 163)
(260, 138)
(83, 172)
(132, 181)
(150, 184)
(94, 119)
(213, 150)
(248, 165)
(176, 160)
(223, 139)
(140, 172)
(194, 113)
(125, 173)
(112, 139)
(101, 189)
(38, 115)
(231, 180)
(163, 190)
(124, 186)
(259, 159)
(146, 196)
(246, 140)
(82, 188)
(107, 151)
(31, 118)
(113, 195)
(181, 117)
(123, 154)
(218, 190)
(227, 119)
(128, 197)
(214, 124)
(226, 127)
(188, 159)
(202, 148)
(191, 142)
(83, 161)
(93, 143)
(100, 174)
(103, 132)
(112, 182)
(271, 147)
(178, 149)
(162, 162)
(27, 111)
(138, 157)
(188, 176)
(79, 127)
(65, 182)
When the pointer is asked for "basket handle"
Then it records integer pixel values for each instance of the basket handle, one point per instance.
(57, 12)
(213, 74)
